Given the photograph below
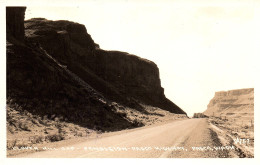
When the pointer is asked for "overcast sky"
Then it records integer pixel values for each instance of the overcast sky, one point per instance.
(200, 48)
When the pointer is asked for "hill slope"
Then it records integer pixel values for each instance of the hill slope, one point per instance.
(61, 84)
(231, 114)
(238, 102)
(120, 76)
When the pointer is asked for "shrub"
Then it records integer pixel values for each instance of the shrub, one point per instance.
(137, 123)
(122, 114)
(54, 137)
(37, 139)
(11, 129)
(34, 121)
(10, 144)
(79, 134)
(24, 126)
(20, 145)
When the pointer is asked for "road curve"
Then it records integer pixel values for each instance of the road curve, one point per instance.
(173, 139)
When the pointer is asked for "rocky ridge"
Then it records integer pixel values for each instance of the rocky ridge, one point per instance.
(231, 115)
(233, 102)
(15, 22)
(56, 72)
(113, 73)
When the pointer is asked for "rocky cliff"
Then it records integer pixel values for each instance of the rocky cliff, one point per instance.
(233, 102)
(56, 70)
(15, 22)
(120, 76)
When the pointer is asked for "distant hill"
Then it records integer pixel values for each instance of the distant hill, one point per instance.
(237, 103)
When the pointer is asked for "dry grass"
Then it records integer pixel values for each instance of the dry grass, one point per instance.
(149, 116)
(239, 127)
(27, 130)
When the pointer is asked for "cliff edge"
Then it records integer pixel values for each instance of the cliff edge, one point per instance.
(120, 76)
(57, 73)
(233, 102)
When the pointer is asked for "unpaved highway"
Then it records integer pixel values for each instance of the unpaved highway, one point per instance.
(170, 140)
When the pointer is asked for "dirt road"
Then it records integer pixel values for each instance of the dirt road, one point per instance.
(174, 139)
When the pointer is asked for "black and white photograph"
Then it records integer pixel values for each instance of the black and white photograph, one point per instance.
(130, 79)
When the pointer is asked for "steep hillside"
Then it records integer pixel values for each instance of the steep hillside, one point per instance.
(60, 84)
(15, 22)
(120, 76)
(238, 102)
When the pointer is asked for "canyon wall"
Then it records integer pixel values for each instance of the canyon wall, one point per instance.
(120, 76)
(226, 103)
(56, 70)
(15, 22)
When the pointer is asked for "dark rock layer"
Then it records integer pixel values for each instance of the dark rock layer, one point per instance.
(15, 22)
(44, 86)
(120, 76)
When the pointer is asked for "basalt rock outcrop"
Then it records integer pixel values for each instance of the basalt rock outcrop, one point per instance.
(120, 76)
(15, 22)
(36, 83)
(226, 103)
(54, 68)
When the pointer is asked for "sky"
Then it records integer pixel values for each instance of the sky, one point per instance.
(200, 47)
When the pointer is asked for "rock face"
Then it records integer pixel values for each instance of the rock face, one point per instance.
(15, 22)
(226, 103)
(58, 70)
(120, 76)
